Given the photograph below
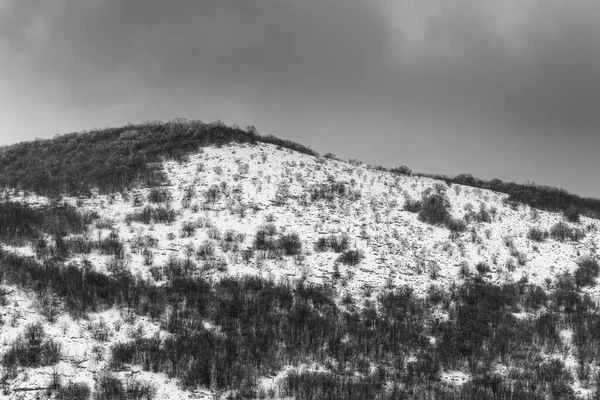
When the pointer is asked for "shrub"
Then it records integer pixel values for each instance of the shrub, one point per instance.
(148, 257)
(213, 233)
(290, 244)
(149, 214)
(140, 390)
(159, 195)
(265, 238)
(563, 232)
(213, 194)
(510, 265)
(351, 257)
(322, 244)
(112, 245)
(231, 240)
(537, 235)
(456, 225)
(482, 267)
(80, 244)
(205, 250)
(109, 387)
(32, 349)
(73, 391)
(572, 214)
(435, 210)
(188, 228)
(413, 206)
(122, 353)
(464, 270)
(339, 243)
(329, 191)
(587, 271)
(401, 170)
(577, 235)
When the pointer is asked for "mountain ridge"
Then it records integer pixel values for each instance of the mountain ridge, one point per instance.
(114, 159)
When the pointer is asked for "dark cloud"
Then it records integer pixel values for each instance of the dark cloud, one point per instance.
(209, 44)
(546, 76)
(451, 86)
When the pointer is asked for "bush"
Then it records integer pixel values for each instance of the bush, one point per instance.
(572, 214)
(337, 243)
(340, 243)
(435, 210)
(483, 215)
(109, 387)
(231, 240)
(188, 228)
(330, 191)
(32, 349)
(290, 244)
(586, 272)
(456, 225)
(322, 244)
(213, 194)
(265, 238)
(464, 270)
(205, 250)
(112, 245)
(148, 257)
(563, 232)
(351, 257)
(73, 391)
(537, 235)
(483, 267)
(159, 196)
(402, 170)
(149, 214)
(413, 206)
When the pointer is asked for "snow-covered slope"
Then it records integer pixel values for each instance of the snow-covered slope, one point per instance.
(260, 184)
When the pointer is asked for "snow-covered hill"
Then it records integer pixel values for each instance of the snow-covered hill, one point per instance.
(222, 196)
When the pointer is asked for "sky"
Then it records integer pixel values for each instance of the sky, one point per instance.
(500, 89)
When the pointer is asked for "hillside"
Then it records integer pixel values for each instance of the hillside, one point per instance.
(245, 268)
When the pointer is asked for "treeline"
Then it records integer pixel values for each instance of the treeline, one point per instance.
(542, 197)
(114, 159)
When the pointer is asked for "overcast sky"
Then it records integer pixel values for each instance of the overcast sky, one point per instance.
(497, 88)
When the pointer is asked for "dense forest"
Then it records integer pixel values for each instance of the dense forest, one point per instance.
(390, 346)
(115, 159)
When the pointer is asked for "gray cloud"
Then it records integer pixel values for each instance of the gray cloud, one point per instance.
(448, 86)
(545, 77)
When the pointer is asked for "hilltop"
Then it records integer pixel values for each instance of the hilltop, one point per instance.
(202, 259)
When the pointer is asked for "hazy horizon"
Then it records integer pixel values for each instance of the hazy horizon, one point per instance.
(507, 90)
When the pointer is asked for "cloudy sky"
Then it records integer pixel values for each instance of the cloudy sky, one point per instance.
(497, 88)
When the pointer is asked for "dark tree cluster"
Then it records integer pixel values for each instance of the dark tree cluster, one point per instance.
(542, 197)
(331, 190)
(23, 222)
(114, 159)
(267, 239)
(562, 232)
(336, 243)
(161, 214)
(32, 349)
(263, 326)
